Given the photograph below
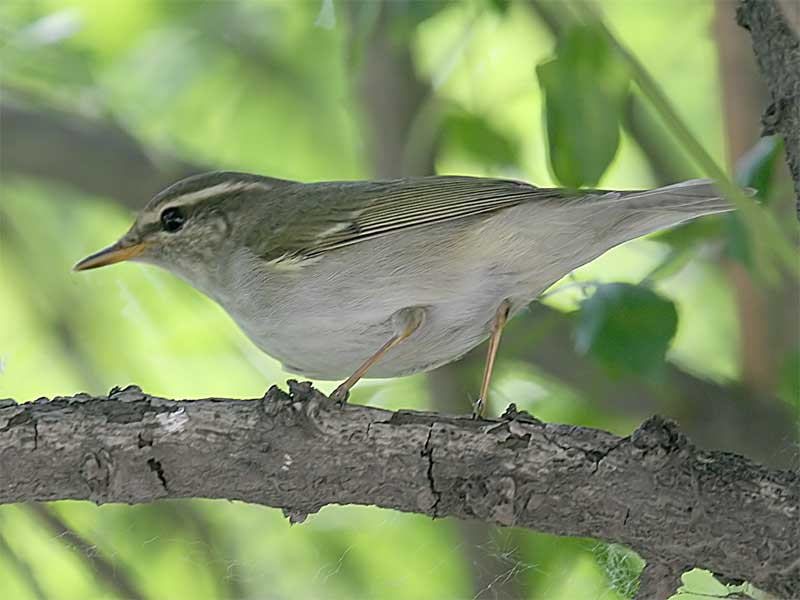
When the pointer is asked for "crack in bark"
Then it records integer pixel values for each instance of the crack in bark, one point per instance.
(602, 455)
(427, 451)
(156, 467)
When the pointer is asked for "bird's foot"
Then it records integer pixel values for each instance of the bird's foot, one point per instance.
(340, 395)
(477, 408)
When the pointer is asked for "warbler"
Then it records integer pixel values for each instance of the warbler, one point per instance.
(346, 279)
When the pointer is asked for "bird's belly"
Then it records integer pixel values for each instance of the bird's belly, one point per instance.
(327, 334)
(330, 317)
(335, 346)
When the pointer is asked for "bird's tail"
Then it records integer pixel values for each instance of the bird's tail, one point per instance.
(628, 215)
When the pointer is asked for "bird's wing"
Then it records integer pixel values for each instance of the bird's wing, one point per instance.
(351, 212)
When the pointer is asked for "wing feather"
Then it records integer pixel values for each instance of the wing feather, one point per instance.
(351, 212)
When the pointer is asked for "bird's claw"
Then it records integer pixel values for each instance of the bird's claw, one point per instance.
(477, 408)
(340, 395)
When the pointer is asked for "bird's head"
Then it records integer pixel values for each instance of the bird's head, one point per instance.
(186, 227)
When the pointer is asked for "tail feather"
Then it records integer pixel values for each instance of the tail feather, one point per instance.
(695, 197)
(628, 215)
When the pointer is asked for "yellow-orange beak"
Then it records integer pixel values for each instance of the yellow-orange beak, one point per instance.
(115, 253)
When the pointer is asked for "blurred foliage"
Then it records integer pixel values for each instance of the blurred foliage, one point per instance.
(479, 140)
(627, 327)
(585, 88)
(757, 171)
(269, 87)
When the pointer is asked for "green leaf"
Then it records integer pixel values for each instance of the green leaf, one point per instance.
(584, 89)
(475, 136)
(755, 169)
(628, 328)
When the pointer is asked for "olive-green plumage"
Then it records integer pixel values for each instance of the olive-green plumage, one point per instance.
(321, 275)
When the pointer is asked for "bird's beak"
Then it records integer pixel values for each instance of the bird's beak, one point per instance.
(117, 252)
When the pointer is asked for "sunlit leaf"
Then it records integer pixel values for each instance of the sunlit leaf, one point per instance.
(628, 328)
(584, 88)
(699, 581)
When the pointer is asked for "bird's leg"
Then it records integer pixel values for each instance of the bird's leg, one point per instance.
(499, 321)
(406, 322)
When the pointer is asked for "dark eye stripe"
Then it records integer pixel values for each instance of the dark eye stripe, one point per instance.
(172, 219)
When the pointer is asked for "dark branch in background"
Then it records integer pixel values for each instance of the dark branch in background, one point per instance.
(21, 568)
(97, 157)
(106, 572)
(777, 49)
(652, 491)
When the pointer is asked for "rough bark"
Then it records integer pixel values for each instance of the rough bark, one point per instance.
(652, 491)
(777, 49)
(658, 580)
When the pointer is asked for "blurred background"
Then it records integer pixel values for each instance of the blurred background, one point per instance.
(104, 103)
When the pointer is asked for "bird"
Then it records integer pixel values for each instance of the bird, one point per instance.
(351, 279)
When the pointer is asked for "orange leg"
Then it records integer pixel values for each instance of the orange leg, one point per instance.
(407, 322)
(499, 321)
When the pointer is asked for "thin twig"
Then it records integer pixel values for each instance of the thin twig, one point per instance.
(22, 568)
(106, 571)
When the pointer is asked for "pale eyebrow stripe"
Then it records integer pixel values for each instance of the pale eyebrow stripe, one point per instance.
(209, 192)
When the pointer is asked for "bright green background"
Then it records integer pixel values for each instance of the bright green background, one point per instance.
(270, 87)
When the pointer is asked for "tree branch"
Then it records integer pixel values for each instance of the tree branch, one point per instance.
(777, 50)
(652, 491)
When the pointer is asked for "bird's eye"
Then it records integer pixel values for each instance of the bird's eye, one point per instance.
(172, 219)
